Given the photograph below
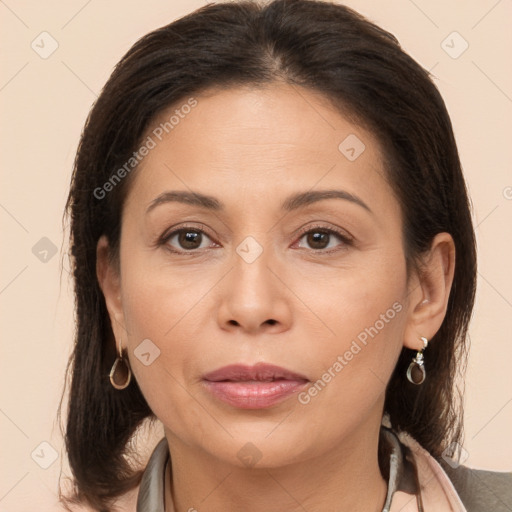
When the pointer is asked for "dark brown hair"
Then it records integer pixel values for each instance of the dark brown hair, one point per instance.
(359, 67)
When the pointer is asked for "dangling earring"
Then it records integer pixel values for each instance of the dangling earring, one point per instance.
(120, 374)
(416, 371)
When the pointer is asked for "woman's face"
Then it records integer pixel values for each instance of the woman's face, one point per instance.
(276, 268)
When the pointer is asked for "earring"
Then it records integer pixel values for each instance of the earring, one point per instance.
(120, 374)
(416, 371)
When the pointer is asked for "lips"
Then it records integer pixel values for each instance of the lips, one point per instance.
(253, 387)
(259, 372)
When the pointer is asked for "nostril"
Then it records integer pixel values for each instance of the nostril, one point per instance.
(271, 321)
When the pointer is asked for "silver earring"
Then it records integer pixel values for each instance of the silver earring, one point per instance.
(416, 372)
(120, 374)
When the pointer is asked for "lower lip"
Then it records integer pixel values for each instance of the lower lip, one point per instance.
(255, 394)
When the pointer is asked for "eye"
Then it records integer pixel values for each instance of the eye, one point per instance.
(186, 239)
(321, 238)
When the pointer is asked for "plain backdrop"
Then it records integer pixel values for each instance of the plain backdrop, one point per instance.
(44, 100)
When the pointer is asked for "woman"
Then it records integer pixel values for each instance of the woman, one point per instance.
(273, 256)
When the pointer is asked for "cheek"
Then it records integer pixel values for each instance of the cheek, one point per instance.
(158, 295)
(158, 305)
(159, 317)
(161, 309)
(363, 318)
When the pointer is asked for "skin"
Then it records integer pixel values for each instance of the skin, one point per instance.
(251, 148)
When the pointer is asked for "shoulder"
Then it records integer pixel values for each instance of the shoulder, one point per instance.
(465, 489)
(481, 490)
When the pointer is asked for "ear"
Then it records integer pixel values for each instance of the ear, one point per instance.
(429, 291)
(110, 284)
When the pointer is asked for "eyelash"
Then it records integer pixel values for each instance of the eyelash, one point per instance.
(347, 241)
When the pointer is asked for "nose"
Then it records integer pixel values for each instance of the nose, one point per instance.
(253, 297)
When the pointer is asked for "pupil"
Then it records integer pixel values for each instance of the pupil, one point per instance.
(318, 240)
(188, 239)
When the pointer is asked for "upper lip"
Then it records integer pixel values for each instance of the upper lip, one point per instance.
(258, 372)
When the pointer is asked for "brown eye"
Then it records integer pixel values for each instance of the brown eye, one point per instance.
(189, 239)
(318, 239)
(186, 239)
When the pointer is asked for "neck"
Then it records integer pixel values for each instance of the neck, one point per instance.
(345, 478)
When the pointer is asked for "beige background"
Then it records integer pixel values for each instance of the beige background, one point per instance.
(44, 103)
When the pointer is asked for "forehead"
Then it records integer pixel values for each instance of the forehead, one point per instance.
(261, 140)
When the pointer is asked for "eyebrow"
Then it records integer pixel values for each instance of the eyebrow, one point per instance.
(293, 202)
